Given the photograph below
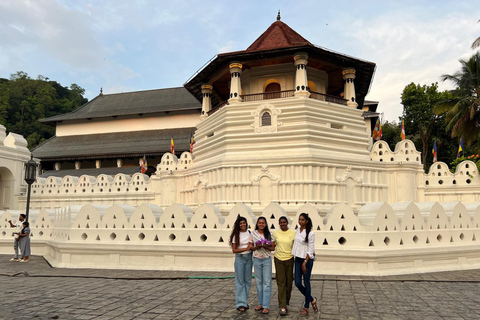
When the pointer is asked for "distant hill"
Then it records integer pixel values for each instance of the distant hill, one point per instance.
(23, 101)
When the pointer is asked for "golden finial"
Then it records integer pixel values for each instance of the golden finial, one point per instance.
(278, 15)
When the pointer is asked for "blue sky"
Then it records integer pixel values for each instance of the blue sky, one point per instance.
(137, 45)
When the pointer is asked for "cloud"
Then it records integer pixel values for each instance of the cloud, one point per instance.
(410, 48)
(51, 28)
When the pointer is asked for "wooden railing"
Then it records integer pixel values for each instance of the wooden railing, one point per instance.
(327, 98)
(283, 94)
(217, 107)
(267, 95)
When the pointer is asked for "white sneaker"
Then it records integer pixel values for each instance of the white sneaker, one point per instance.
(14, 259)
(24, 260)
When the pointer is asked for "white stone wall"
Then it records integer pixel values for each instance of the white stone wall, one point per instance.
(13, 155)
(381, 239)
(55, 192)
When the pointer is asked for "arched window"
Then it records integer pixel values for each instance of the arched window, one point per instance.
(266, 119)
(272, 90)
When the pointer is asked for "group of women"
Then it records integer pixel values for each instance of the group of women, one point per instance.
(293, 250)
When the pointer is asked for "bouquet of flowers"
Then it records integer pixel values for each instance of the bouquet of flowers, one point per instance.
(263, 242)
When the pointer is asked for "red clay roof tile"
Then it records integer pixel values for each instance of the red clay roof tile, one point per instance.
(278, 35)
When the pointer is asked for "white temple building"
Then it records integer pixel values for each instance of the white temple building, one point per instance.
(280, 128)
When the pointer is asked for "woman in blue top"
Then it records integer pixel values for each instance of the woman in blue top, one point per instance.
(24, 242)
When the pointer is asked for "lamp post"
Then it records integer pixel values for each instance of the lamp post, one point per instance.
(30, 177)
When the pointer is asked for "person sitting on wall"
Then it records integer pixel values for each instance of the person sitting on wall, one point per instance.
(24, 242)
(18, 227)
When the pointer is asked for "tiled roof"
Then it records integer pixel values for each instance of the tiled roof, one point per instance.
(114, 145)
(278, 35)
(130, 103)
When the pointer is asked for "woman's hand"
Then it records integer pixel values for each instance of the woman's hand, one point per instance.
(250, 246)
(304, 267)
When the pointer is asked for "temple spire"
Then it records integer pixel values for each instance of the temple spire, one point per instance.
(278, 15)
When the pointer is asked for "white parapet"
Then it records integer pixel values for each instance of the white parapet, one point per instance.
(381, 239)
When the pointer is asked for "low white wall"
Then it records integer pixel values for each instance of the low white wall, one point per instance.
(382, 239)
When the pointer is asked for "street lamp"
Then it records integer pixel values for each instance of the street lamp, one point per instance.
(30, 177)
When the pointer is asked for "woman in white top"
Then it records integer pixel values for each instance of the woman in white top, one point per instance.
(304, 252)
(263, 245)
(241, 242)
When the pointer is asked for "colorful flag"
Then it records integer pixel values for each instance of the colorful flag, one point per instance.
(143, 165)
(192, 142)
(172, 146)
(377, 131)
(434, 150)
(403, 130)
(460, 148)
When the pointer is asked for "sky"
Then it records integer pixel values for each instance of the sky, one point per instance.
(128, 45)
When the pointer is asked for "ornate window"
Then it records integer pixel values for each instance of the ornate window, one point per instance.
(266, 119)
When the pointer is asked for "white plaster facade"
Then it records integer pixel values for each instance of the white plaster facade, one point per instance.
(96, 126)
(13, 155)
(269, 153)
(380, 239)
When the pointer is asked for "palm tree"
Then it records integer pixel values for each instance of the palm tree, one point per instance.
(476, 43)
(463, 110)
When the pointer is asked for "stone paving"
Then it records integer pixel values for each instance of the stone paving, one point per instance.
(34, 290)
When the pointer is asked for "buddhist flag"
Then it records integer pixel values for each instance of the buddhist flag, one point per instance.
(377, 131)
(434, 150)
(403, 130)
(460, 148)
(172, 146)
(143, 165)
(191, 143)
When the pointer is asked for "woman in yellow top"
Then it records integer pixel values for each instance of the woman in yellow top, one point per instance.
(284, 262)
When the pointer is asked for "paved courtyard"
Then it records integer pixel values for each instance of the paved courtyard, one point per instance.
(34, 290)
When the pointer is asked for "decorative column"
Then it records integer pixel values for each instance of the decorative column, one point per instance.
(98, 164)
(301, 80)
(57, 166)
(206, 101)
(349, 90)
(77, 165)
(235, 82)
(119, 163)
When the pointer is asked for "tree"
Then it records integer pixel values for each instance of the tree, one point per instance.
(23, 101)
(391, 133)
(476, 43)
(420, 119)
(463, 107)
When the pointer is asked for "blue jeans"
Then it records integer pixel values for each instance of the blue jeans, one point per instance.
(263, 279)
(243, 278)
(304, 288)
(16, 246)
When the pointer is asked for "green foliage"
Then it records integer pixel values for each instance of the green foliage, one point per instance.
(23, 101)
(475, 158)
(462, 108)
(391, 133)
(421, 122)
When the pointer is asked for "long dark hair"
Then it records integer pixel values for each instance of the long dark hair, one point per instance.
(309, 225)
(266, 231)
(26, 225)
(236, 230)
